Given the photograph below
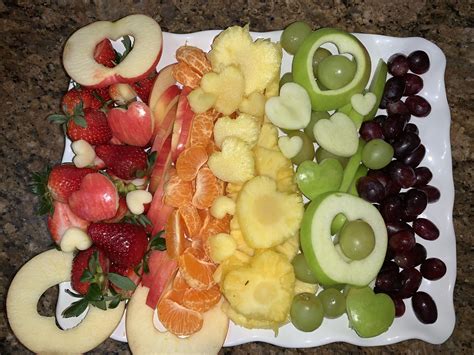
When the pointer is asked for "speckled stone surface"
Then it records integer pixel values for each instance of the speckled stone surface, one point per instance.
(33, 81)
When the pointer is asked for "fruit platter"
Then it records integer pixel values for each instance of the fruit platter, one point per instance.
(222, 187)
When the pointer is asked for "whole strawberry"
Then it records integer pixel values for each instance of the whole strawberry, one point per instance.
(104, 53)
(58, 184)
(124, 161)
(88, 124)
(143, 87)
(76, 96)
(125, 244)
(96, 271)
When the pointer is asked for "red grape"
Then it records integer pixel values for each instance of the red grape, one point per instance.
(424, 307)
(414, 158)
(398, 64)
(432, 193)
(418, 106)
(419, 62)
(411, 281)
(399, 306)
(402, 241)
(423, 176)
(371, 130)
(425, 229)
(370, 189)
(402, 174)
(415, 202)
(398, 107)
(388, 281)
(413, 84)
(411, 258)
(394, 88)
(391, 208)
(393, 126)
(405, 144)
(411, 127)
(433, 269)
(395, 227)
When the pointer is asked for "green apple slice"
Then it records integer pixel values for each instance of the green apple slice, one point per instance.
(351, 167)
(338, 135)
(302, 68)
(327, 264)
(376, 87)
(361, 171)
(315, 179)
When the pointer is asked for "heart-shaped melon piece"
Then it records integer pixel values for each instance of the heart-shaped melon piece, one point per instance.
(290, 147)
(78, 54)
(369, 314)
(137, 199)
(84, 153)
(315, 179)
(75, 238)
(363, 104)
(338, 135)
(290, 110)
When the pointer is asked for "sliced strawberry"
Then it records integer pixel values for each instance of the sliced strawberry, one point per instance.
(88, 98)
(143, 87)
(126, 162)
(125, 244)
(127, 272)
(62, 219)
(81, 263)
(104, 53)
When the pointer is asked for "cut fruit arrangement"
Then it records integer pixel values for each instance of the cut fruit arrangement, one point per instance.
(185, 200)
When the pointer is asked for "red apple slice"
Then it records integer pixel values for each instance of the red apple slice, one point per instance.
(161, 109)
(182, 124)
(133, 126)
(78, 54)
(162, 164)
(164, 79)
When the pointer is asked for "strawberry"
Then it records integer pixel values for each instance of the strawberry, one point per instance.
(57, 184)
(127, 272)
(125, 244)
(143, 87)
(104, 53)
(124, 161)
(81, 264)
(62, 219)
(89, 99)
(121, 211)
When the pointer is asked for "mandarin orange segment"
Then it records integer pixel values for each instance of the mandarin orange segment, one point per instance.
(184, 74)
(207, 189)
(201, 130)
(201, 300)
(178, 192)
(195, 57)
(216, 226)
(197, 272)
(190, 161)
(179, 283)
(174, 235)
(191, 219)
(179, 320)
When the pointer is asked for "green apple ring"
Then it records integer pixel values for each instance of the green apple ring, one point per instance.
(302, 68)
(39, 333)
(144, 338)
(325, 260)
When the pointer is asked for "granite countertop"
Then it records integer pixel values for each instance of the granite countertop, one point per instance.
(33, 81)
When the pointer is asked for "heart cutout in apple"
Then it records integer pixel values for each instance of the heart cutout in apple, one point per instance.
(363, 104)
(338, 135)
(315, 179)
(290, 147)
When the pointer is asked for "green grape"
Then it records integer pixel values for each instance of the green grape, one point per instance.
(322, 154)
(286, 78)
(377, 154)
(333, 301)
(338, 223)
(294, 35)
(306, 312)
(315, 117)
(319, 55)
(302, 270)
(307, 150)
(336, 71)
(357, 239)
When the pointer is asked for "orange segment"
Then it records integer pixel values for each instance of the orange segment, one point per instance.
(197, 272)
(211, 147)
(207, 189)
(190, 161)
(195, 57)
(216, 226)
(174, 235)
(191, 219)
(201, 130)
(201, 300)
(178, 192)
(178, 319)
(185, 75)
(179, 283)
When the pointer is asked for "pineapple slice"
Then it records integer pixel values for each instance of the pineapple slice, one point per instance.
(235, 163)
(262, 290)
(221, 206)
(267, 216)
(254, 104)
(221, 246)
(302, 287)
(245, 127)
(286, 180)
(232, 190)
(289, 248)
(273, 89)
(227, 86)
(259, 61)
(236, 260)
(236, 233)
(268, 137)
(200, 101)
(249, 323)
(274, 164)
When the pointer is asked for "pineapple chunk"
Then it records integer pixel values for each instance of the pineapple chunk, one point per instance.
(245, 127)
(262, 290)
(254, 104)
(289, 248)
(286, 180)
(249, 323)
(227, 86)
(273, 88)
(201, 101)
(268, 137)
(266, 216)
(232, 190)
(259, 61)
(222, 246)
(274, 164)
(235, 163)
(236, 260)
(236, 233)
(302, 287)
(221, 206)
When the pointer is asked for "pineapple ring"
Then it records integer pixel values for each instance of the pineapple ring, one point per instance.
(40, 334)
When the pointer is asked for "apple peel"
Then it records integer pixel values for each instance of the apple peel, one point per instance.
(75, 238)
(290, 147)
(290, 110)
(363, 104)
(84, 153)
(137, 199)
(338, 135)
(39, 333)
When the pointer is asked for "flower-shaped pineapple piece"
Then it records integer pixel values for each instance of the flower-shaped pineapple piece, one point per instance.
(245, 127)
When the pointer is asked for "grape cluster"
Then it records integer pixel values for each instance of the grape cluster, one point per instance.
(401, 189)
